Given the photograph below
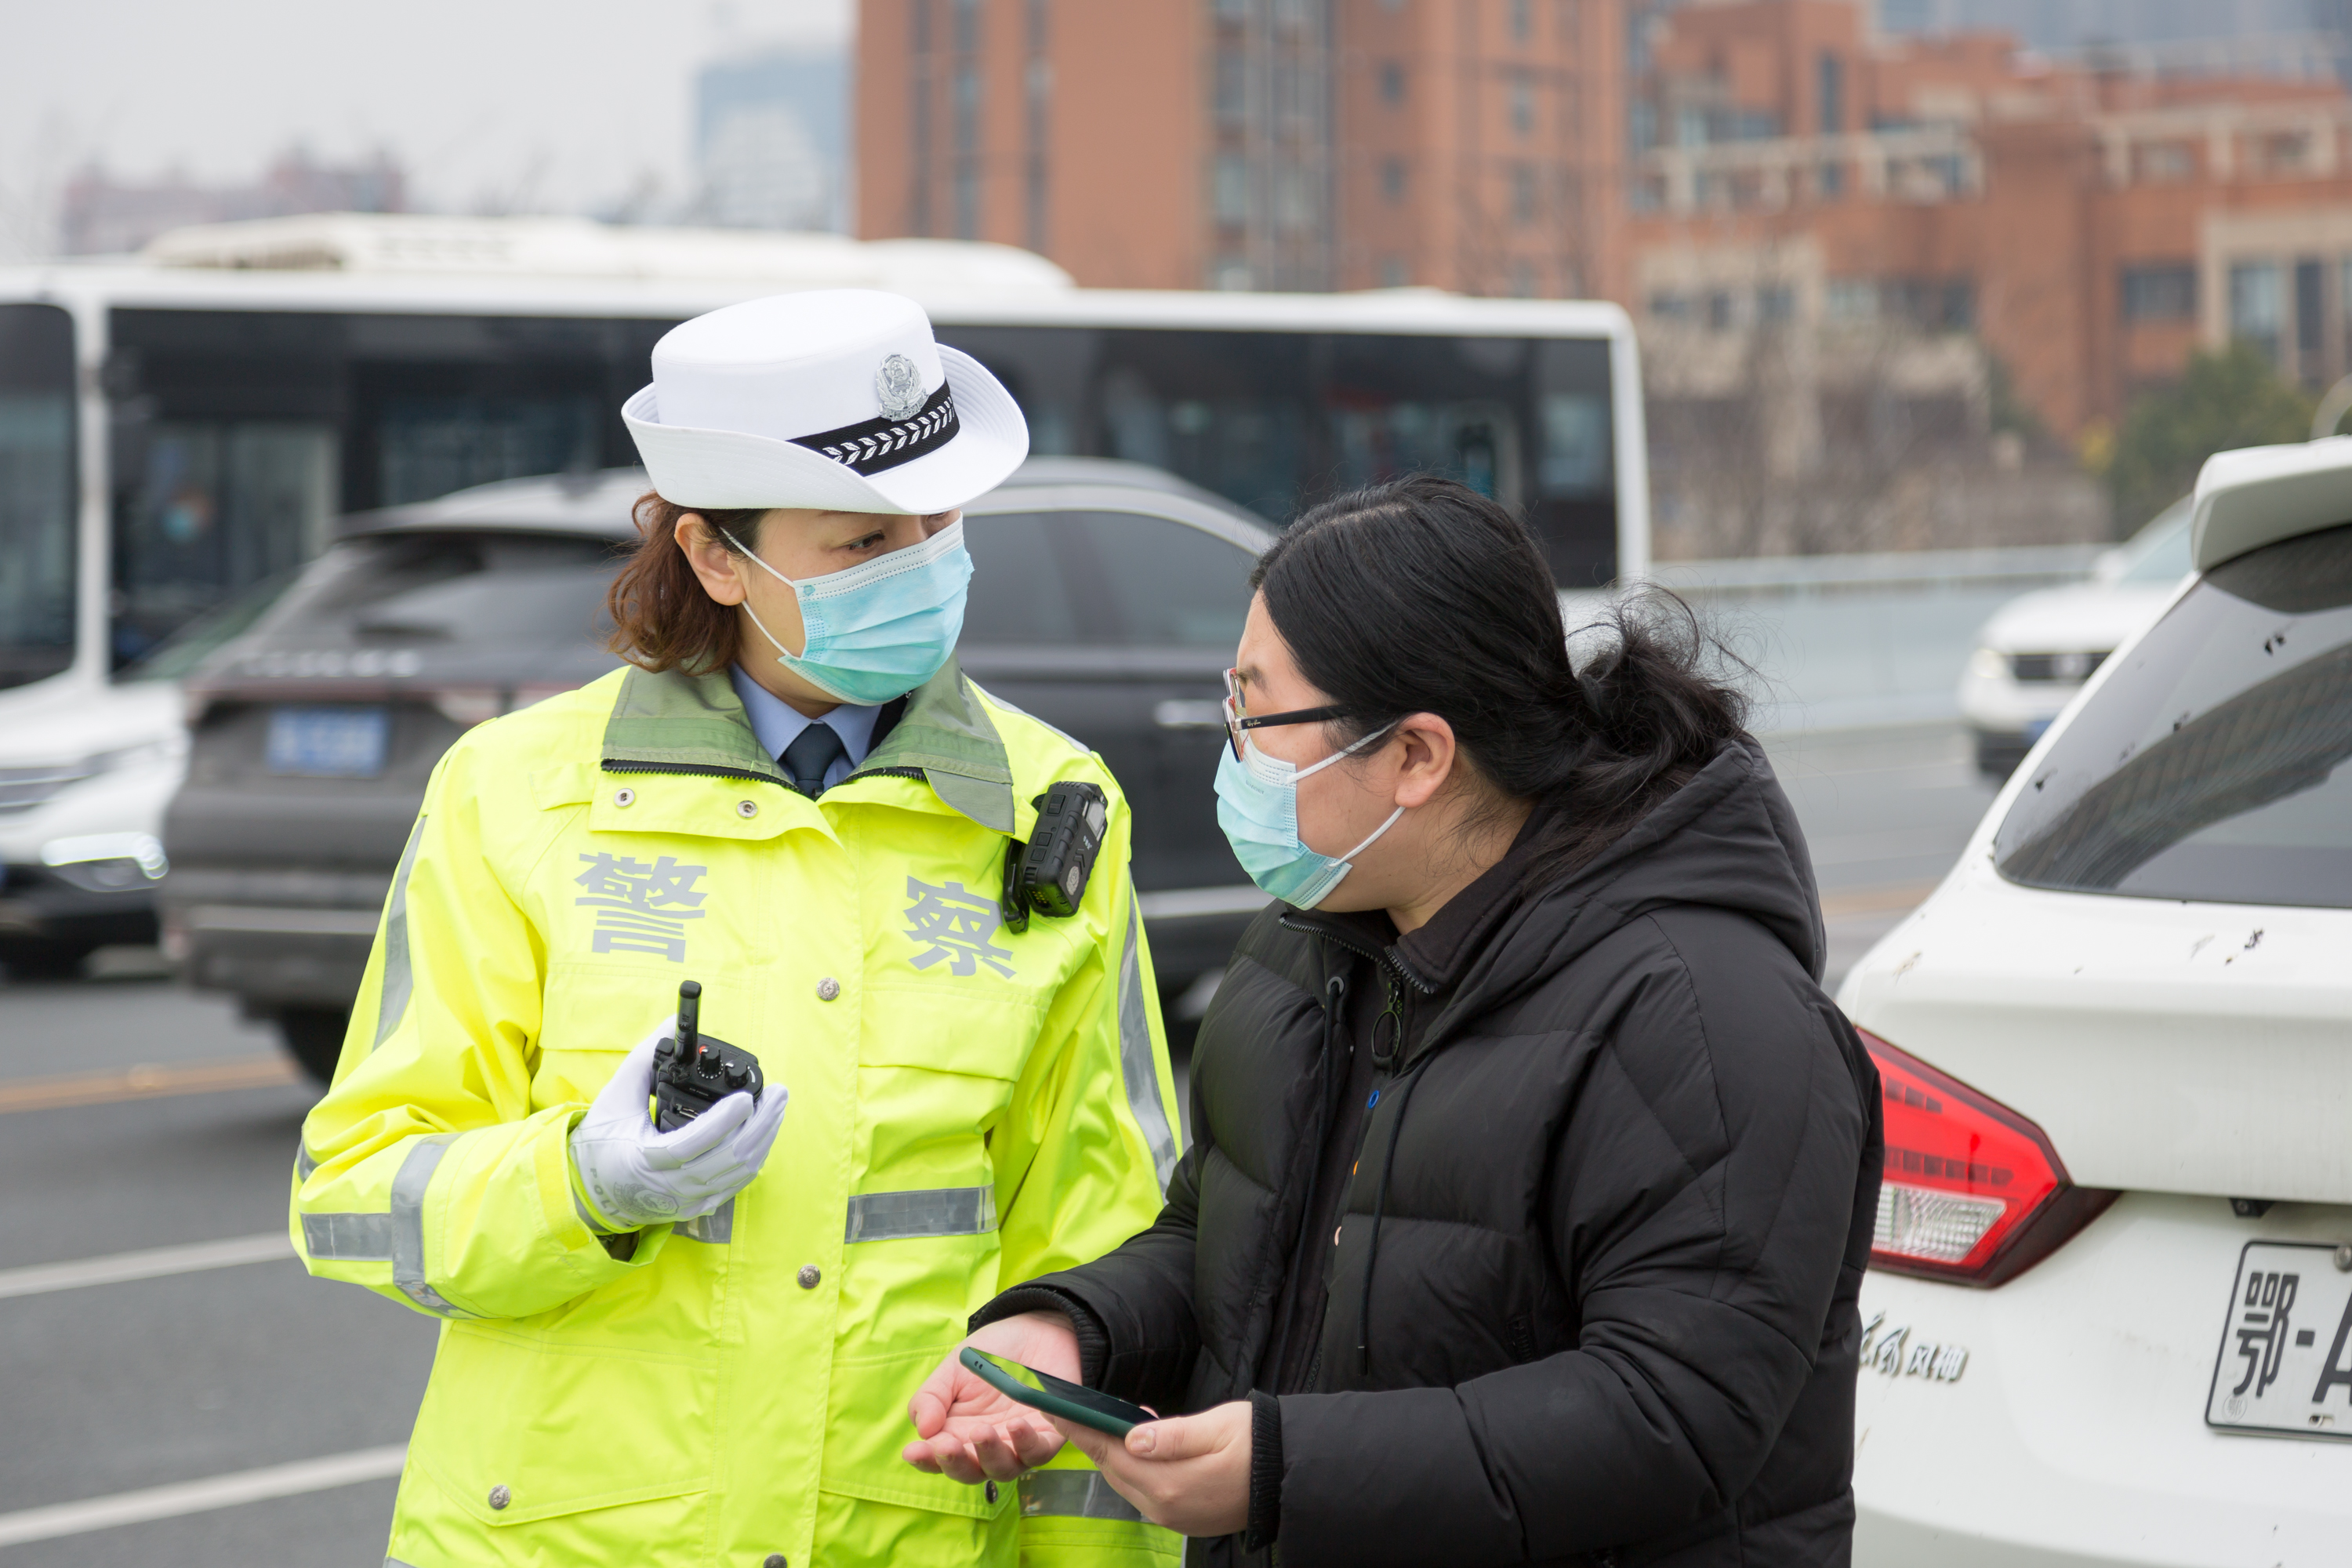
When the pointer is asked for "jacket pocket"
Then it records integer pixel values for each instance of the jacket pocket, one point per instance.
(515, 1428)
(866, 1426)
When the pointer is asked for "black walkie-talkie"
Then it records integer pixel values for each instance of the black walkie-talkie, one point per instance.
(695, 1071)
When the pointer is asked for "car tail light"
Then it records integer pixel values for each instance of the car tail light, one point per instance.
(467, 706)
(1973, 1191)
(525, 695)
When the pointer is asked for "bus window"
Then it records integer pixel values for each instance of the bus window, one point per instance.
(223, 505)
(37, 493)
(1278, 421)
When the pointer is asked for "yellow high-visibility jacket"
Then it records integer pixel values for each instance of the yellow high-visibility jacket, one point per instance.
(971, 1107)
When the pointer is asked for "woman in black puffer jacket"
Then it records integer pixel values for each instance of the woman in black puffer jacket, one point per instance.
(1533, 1174)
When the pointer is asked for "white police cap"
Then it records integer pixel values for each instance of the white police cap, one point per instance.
(834, 398)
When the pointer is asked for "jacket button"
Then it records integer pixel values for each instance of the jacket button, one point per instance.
(625, 797)
(775, 1560)
(500, 1497)
(990, 1490)
(827, 989)
(809, 1276)
(747, 809)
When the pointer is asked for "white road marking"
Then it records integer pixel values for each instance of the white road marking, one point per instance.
(198, 1497)
(149, 1264)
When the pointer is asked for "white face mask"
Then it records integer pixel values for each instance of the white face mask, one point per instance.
(882, 627)
(1257, 807)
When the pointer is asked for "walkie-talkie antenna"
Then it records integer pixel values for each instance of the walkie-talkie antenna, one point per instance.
(690, 1019)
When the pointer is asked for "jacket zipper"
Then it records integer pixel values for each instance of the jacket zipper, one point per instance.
(690, 769)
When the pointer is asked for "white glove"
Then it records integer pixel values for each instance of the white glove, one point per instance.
(636, 1176)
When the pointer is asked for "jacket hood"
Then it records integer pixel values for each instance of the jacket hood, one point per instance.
(1727, 839)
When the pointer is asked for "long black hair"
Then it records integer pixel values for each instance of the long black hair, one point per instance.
(1422, 595)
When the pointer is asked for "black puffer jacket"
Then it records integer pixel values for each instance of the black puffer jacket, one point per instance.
(1620, 1178)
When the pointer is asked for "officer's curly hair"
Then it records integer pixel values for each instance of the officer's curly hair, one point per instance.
(661, 618)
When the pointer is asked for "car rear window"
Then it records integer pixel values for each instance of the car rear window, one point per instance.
(2212, 763)
(1106, 577)
(405, 588)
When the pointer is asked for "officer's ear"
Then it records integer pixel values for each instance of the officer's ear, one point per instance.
(717, 568)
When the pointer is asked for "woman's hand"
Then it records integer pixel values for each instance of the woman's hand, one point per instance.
(969, 1432)
(1191, 1473)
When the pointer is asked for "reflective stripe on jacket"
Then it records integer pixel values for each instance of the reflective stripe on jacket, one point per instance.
(970, 1107)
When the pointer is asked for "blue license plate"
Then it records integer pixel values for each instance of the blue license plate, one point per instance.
(328, 742)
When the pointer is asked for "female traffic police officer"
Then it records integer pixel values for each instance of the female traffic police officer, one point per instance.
(696, 1346)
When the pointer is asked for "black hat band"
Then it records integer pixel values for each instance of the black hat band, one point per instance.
(879, 444)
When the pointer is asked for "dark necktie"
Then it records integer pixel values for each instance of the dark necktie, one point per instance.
(813, 751)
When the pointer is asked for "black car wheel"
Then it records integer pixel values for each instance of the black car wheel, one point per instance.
(37, 959)
(315, 1038)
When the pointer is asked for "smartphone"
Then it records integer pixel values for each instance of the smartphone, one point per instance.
(1070, 1401)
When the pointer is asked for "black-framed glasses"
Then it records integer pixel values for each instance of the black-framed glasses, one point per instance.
(1236, 720)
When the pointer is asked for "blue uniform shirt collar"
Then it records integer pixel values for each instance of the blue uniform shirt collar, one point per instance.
(778, 724)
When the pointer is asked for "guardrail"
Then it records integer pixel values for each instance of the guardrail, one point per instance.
(1848, 641)
(2017, 567)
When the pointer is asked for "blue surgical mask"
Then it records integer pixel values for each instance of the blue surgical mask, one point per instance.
(1257, 806)
(884, 626)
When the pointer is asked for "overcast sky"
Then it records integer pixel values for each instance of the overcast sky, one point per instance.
(519, 105)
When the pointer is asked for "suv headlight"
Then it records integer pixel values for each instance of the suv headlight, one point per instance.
(107, 862)
(1989, 663)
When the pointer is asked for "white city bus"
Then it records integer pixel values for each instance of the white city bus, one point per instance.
(179, 431)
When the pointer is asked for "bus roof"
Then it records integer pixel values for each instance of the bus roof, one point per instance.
(420, 264)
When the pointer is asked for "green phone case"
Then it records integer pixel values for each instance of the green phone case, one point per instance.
(1069, 1401)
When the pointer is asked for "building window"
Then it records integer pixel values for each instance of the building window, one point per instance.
(1295, 210)
(1392, 82)
(1718, 310)
(1523, 20)
(1829, 181)
(2166, 161)
(1776, 304)
(1523, 105)
(1830, 87)
(1523, 279)
(2166, 291)
(1393, 178)
(1233, 10)
(1957, 312)
(1523, 193)
(1849, 300)
(967, 107)
(1394, 272)
(1670, 307)
(1230, 193)
(2310, 316)
(1233, 86)
(2257, 305)
(967, 202)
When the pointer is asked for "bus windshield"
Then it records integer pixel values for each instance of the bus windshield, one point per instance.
(239, 436)
(37, 493)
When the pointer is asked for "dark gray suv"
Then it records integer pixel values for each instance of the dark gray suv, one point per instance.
(1106, 600)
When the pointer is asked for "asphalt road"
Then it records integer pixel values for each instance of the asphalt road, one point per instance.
(134, 1115)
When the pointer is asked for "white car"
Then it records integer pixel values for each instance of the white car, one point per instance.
(2109, 1317)
(87, 768)
(2038, 649)
(85, 773)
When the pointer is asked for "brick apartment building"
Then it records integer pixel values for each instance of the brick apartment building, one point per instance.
(1475, 145)
(2090, 220)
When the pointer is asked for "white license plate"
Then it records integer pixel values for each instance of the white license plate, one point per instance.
(328, 743)
(2285, 1365)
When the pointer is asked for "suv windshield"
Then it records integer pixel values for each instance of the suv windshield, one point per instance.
(2211, 765)
(403, 588)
